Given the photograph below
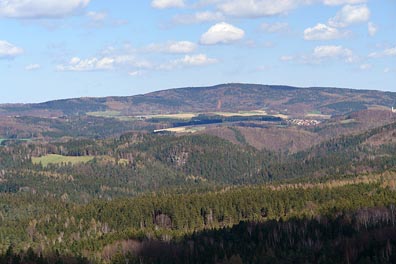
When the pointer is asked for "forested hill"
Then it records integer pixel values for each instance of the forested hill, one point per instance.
(224, 97)
(138, 162)
(234, 173)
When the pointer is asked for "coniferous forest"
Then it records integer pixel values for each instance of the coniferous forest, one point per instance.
(321, 194)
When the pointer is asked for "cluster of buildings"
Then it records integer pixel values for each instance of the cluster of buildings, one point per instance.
(304, 122)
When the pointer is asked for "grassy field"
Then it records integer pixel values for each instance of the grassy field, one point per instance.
(225, 114)
(57, 159)
(242, 113)
(181, 129)
(320, 116)
(174, 116)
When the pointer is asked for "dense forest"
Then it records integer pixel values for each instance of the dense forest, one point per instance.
(165, 198)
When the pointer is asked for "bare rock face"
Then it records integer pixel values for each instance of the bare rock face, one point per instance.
(178, 157)
(163, 220)
(209, 217)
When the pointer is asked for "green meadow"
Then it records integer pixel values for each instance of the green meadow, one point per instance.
(58, 159)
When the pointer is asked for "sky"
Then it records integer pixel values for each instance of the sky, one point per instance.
(53, 49)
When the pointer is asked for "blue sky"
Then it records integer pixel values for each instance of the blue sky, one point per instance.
(51, 49)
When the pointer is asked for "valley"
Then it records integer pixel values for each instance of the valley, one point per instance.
(159, 178)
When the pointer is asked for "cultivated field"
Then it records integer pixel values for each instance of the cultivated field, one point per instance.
(174, 116)
(181, 129)
(58, 159)
(242, 113)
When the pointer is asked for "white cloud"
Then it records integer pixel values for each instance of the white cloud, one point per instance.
(188, 60)
(125, 59)
(372, 29)
(135, 73)
(222, 33)
(173, 47)
(386, 70)
(275, 27)
(104, 63)
(91, 64)
(323, 52)
(349, 15)
(161, 4)
(365, 66)
(40, 8)
(343, 2)
(390, 52)
(323, 32)
(196, 60)
(97, 16)
(198, 17)
(385, 53)
(8, 50)
(286, 58)
(257, 8)
(32, 67)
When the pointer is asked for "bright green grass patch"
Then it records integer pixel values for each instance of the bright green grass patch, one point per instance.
(58, 159)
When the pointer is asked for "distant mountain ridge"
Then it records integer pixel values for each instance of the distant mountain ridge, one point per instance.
(223, 97)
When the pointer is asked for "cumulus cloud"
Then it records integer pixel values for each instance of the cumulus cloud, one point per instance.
(198, 17)
(286, 58)
(8, 50)
(275, 27)
(131, 61)
(173, 47)
(365, 66)
(323, 53)
(135, 73)
(323, 32)
(40, 8)
(188, 61)
(195, 60)
(102, 63)
(343, 2)
(350, 14)
(97, 16)
(389, 52)
(32, 67)
(161, 4)
(329, 51)
(372, 29)
(222, 33)
(257, 8)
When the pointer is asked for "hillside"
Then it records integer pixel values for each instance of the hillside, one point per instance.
(137, 162)
(262, 116)
(224, 97)
(180, 177)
